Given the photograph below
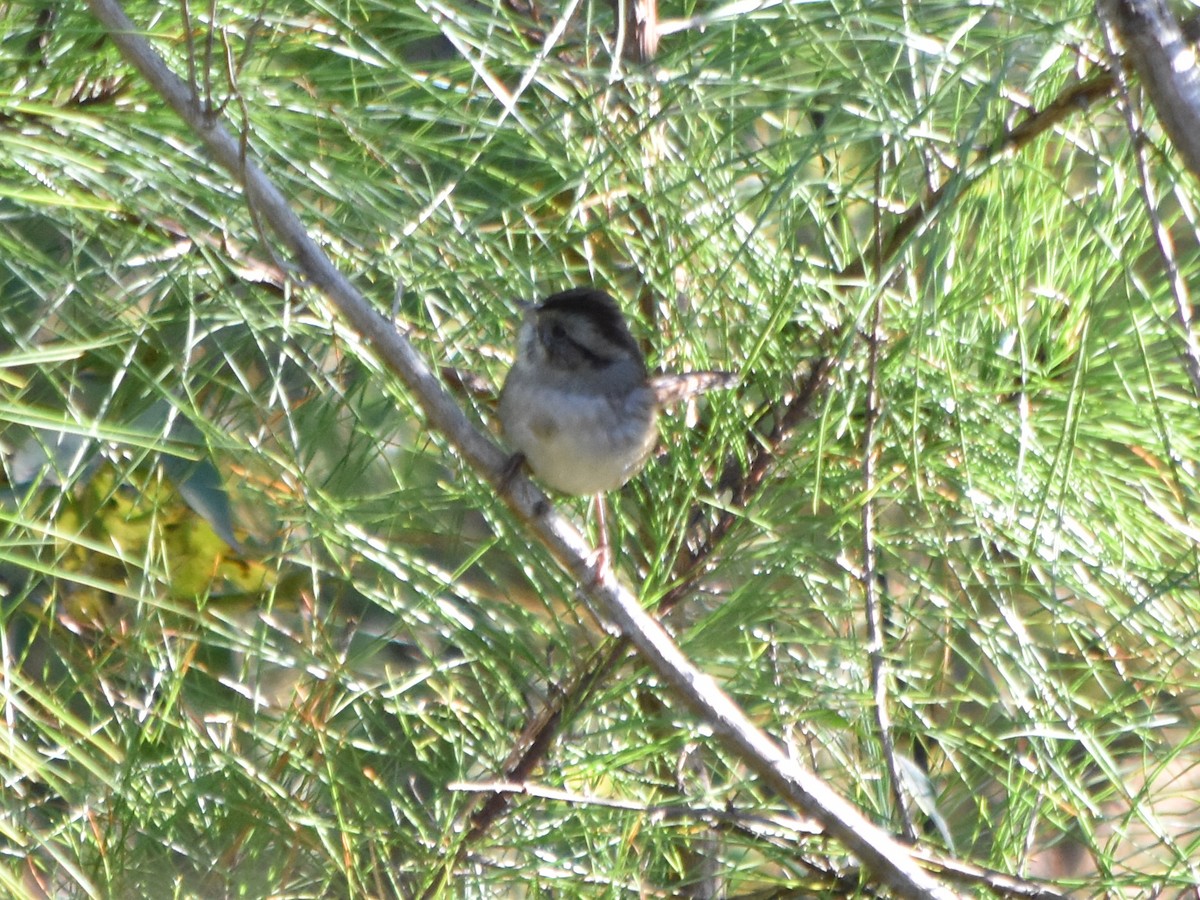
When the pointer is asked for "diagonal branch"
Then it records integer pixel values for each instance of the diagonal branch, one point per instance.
(1165, 60)
(891, 862)
(1167, 66)
(1075, 98)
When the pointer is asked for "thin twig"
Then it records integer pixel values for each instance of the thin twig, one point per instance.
(538, 736)
(656, 812)
(870, 574)
(637, 30)
(780, 420)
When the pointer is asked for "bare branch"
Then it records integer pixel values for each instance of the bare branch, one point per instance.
(876, 620)
(1166, 63)
(1124, 24)
(763, 827)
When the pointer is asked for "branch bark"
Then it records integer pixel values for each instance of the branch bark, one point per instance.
(1167, 65)
(1166, 60)
(891, 862)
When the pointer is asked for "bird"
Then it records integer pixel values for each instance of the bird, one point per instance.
(579, 406)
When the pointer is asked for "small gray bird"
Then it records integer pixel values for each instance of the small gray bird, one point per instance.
(578, 404)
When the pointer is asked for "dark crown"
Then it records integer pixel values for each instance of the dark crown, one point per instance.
(598, 307)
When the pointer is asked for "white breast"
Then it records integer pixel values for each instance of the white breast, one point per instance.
(581, 443)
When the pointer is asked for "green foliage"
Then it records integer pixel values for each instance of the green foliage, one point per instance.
(258, 620)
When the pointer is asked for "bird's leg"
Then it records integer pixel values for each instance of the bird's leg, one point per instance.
(600, 559)
(599, 566)
(512, 467)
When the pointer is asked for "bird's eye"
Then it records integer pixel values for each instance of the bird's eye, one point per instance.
(557, 332)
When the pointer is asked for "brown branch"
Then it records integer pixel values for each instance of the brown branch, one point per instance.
(1073, 99)
(1166, 63)
(538, 736)
(638, 29)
